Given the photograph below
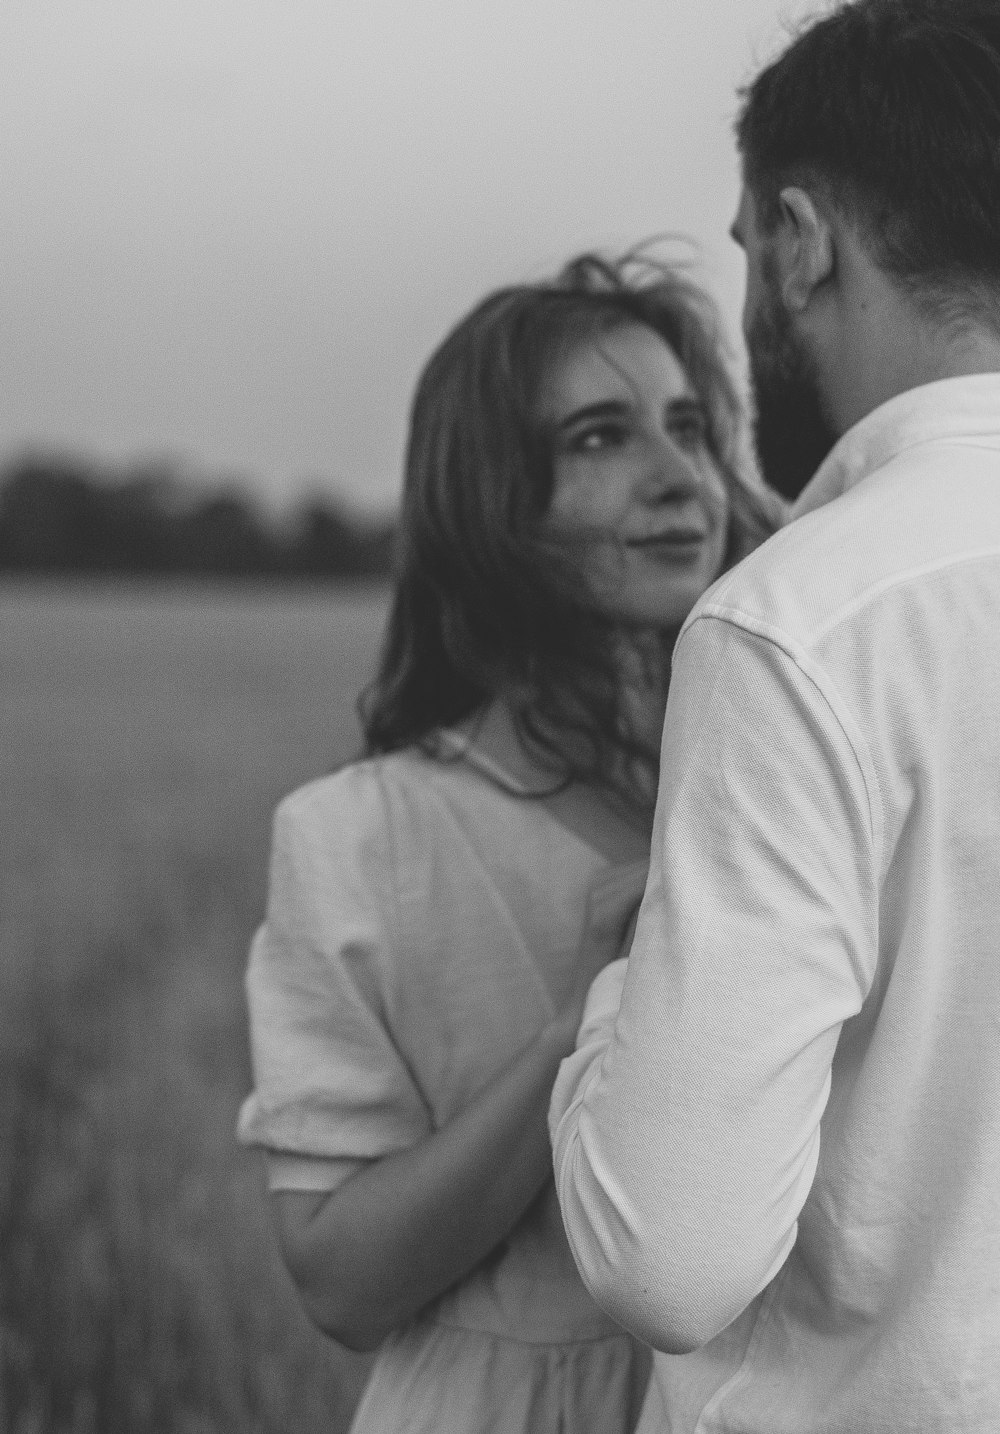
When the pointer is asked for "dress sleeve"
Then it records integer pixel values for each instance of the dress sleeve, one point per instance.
(687, 1125)
(330, 1085)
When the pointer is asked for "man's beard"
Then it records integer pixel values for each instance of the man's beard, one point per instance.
(791, 432)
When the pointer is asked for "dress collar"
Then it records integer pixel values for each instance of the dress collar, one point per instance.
(963, 407)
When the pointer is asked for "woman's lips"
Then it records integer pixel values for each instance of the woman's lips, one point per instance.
(679, 540)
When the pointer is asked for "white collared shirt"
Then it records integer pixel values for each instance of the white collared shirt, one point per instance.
(779, 1160)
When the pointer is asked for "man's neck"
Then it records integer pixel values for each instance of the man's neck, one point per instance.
(892, 347)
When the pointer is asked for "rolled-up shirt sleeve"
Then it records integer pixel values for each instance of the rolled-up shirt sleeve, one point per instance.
(686, 1127)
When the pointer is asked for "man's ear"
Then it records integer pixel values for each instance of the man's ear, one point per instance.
(804, 248)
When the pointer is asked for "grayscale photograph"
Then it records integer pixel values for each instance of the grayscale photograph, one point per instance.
(499, 715)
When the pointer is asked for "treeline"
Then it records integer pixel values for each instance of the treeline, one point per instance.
(64, 516)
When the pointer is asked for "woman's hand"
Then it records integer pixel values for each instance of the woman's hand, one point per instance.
(401, 1230)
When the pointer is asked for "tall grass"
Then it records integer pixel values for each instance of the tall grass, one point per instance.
(144, 739)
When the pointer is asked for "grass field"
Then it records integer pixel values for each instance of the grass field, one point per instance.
(145, 736)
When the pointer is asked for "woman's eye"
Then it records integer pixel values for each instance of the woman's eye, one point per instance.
(598, 437)
(690, 431)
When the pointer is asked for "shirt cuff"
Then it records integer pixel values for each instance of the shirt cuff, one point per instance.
(315, 1173)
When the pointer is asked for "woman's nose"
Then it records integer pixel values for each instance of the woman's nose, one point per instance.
(669, 471)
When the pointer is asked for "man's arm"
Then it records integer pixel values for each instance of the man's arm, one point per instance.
(686, 1127)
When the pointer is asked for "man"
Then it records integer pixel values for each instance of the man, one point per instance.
(779, 1158)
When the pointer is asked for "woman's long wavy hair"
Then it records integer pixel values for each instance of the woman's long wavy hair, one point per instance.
(487, 602)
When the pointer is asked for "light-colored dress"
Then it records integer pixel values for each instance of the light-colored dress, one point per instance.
(423, 925)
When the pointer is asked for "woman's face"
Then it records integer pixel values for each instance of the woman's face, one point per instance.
(635, 484)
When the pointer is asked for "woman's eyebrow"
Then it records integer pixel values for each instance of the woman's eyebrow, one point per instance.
(607, 408)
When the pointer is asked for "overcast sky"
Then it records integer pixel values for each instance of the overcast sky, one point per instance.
(234, 229)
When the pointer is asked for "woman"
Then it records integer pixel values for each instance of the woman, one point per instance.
(438, 909)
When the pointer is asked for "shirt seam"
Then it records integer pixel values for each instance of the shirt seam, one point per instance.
(870, 595)
(392, 846)
(713, 1409)
(827, 689)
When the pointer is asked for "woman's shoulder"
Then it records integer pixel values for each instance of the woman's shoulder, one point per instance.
(372, 800)
(356, 785)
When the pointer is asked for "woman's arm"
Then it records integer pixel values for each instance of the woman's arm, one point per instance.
(370, 1254)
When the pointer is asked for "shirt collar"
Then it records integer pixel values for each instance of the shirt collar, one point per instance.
(949, 408)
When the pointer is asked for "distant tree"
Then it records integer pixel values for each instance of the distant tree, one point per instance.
(327, 540)
(223, 535)
(59, 516)
(49, 517)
